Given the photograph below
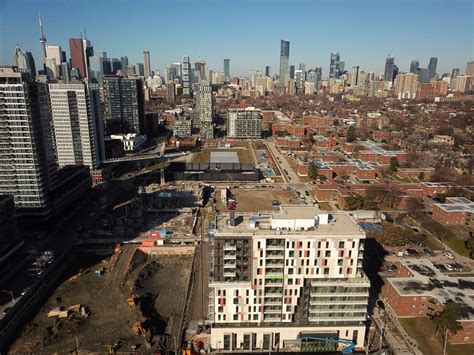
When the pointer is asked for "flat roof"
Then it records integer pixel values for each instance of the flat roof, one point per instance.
(224, 157)
(340, 223)
(457, 204)
(427, 280)
(297, 212)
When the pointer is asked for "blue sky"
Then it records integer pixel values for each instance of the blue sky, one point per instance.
(249, 31)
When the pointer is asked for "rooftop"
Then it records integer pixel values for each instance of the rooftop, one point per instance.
(427, 280)
(224, 157)
(340, 223)
(457, 204)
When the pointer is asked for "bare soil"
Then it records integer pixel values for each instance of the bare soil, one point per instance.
(252, 200)
(160, 283)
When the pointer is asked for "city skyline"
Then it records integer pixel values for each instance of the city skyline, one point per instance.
(362, 41)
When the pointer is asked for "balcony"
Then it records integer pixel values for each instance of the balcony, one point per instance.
(360, 294)
(274, 265)
(271, 311)
(338, 302)
(229, 274)
(271, 318)
(229, 257)
(275, 247)
(230, 248)
(272, 302)
(272, 256)
(273, 294)
(229, 265)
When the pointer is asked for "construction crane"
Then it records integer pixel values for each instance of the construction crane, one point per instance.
(349, 345)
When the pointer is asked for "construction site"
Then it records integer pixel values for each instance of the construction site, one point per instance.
(135, 300)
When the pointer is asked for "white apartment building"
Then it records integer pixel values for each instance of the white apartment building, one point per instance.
(244, 123)
(78, 124)
(282, 278)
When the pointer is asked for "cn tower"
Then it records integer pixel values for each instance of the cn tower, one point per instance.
(43, 42)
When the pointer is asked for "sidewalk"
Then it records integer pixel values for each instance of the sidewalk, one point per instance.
(395, 335)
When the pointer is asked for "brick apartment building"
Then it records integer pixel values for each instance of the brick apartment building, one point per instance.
(457, 211)
(421, 290)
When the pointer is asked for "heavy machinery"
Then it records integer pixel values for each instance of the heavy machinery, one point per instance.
(132, 300)
(138, 328)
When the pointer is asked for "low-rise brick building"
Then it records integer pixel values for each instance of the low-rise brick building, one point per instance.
(422, 290)
(457, 211)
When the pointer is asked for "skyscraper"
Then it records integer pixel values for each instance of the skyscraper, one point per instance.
(454, 73)
(24, 61)
(115, 66)
(302, 67)
(81, 50)
(415, 64)
(200, 70)
(292, 71)
(54, 60)
(389, 66)
(78, 124)
(206, 110)
(335, 65)
(97, 68)
(124, 105)
(25, 158)
(140, 69)
(186, 76)
(267, 71)
(423, 75)
(355, 76)
(146, 63)
(227, 69)
(284, 62)
(432, 67)
(123, 63)
(299, 81)
(470, 68)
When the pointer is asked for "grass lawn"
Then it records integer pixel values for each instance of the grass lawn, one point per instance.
(423, 330)
(204, 156)
(458, 245)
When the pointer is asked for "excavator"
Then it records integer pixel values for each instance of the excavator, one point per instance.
(138, 328)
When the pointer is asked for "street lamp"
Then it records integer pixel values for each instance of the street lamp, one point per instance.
(11, 294)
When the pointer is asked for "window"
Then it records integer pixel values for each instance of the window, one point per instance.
(291, 253)
(246, 345)
(236, 317)
(266, 341)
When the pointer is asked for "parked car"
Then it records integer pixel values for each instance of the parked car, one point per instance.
(448, 254)
(448, 267)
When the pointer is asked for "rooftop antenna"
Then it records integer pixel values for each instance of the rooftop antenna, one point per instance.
(85, 34)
